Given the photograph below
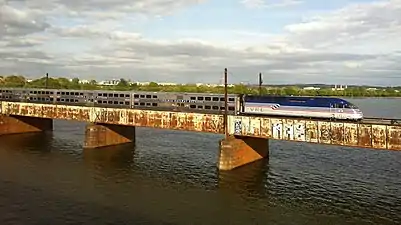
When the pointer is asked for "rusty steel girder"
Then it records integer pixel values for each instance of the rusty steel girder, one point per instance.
(353, 134)
(129, 117)
(370, 135)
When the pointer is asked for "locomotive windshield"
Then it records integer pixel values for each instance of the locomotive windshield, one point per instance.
(350, 106)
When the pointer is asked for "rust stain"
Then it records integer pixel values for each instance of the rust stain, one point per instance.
(265, 128)
(394, 137)
(312, 131)
(365, 135)
(338, 133)
(324, 132)
(379, 136)
(350, 134)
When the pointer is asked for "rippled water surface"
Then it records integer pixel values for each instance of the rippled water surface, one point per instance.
(171, 177)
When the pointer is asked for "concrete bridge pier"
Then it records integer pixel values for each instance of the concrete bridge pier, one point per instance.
(102, 135)
(24, 124)
(236, 151)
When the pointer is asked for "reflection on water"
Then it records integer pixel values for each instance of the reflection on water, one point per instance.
(170, 177)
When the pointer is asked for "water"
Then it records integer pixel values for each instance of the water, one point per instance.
(171, 177)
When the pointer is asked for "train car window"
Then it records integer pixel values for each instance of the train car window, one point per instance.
(47, 99)
(115, 95)
(231, 108)
(154, 96)
(136, 103)
(110, 95)
(121, 103)
(121, 95)
(104, 94)
(142, 103)
(192, 106)
(207, 107)
(222, 108)
(99, 94)
(148, 96)
(67, 93)
(127, 95)
(63, 93)
(35, 92)
(136, 96)
(126, 103)
(115, 103)
(147, 103)
(81, 94)
(142, 96)
(110, 102)
(208, 98)
(215, 99)
(76, 100)
(231, 99)
(154, 104)
(200, 106)
(58, 100)
(47, 92)
(62, 99)
(222, 99)
(58, 93)
(215, 107)
(193, 98)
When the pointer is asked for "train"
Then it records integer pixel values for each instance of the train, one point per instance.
(212, 103)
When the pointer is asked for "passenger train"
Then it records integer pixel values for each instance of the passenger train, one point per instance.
(289, 106)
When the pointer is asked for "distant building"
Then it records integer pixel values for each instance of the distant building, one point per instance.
(311, 88)
(109, 82)
(213, 85)
(84, 81)
(339, 87)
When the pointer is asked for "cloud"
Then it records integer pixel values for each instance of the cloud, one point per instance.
(270, 3)
(357, 22)
(15, 22)
(355, 44)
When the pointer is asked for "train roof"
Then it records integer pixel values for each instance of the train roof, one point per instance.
(295, 97)
(117, 91)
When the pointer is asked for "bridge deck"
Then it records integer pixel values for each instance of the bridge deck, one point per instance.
(370, 135)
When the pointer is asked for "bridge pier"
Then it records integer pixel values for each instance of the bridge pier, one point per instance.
(237, 151)
(24, 124)
(102, 135)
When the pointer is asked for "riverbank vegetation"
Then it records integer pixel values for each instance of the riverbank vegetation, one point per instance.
(63, 83)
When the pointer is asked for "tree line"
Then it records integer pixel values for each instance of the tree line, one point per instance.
(124, 85)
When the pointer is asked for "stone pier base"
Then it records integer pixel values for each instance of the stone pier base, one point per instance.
(237, 151)
(102, 135)
(24, 124)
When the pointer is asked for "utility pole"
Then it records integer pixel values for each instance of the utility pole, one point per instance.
(47, 80)
(260, 83)
(225, 104)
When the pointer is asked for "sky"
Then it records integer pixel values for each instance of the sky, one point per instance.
(191, 41)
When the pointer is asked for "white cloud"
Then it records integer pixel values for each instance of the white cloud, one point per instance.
(270, 3)
(357, 42)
